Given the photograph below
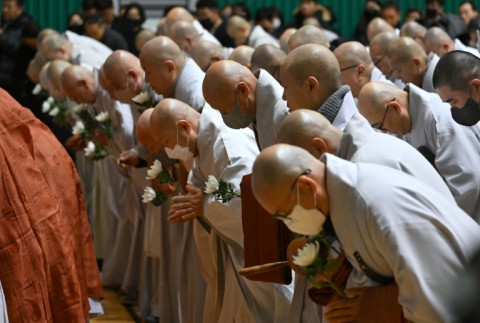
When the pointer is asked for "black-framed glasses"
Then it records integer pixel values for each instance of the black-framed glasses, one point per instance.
(379, 60)
(280, 217)
(380, 126)
(348, 67)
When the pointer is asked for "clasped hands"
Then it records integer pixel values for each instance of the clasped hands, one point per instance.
(345, 310)
(186, 207)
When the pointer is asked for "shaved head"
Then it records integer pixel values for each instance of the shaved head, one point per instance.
(373, 101)
(221, 82)
(205, 53)
(162, 61)
(408, 59)
(43, 78)
(142, 37)
(78, 83)
(377, 26)
(413, 30)
(309, 74)
(379, 46)
(275, 171)
(438, 41)
(55, 46)
(184, 34)
(243, 55)
(44, 33)
(54, 74)
(309, 130)
(308, 35)
(269, 58)
(284, 37)
(144, 135)
(178, 14)
(124, 74)
(174, 122)
(239, 29)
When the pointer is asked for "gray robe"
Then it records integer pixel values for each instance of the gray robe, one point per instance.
(189, 85)
(427, 83)
(229, 154)
(456, 148)
(403, 229)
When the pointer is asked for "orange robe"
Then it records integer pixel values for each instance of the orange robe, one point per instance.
(47, 263)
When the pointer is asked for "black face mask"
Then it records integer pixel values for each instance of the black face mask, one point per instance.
(469, 115)
(431, 13)
(371, 13)
(206, 23)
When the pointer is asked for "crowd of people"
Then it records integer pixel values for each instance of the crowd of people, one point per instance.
(159, 164)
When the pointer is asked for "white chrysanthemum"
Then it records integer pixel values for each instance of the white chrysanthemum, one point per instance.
(102, 117)
(78, 128)
(154, 170)
(306, 255)
(37, 89)
(211, 184)
(148, 195)
(141, 98)
(50, 99)
(90, 149)
(54, 112)
(78, 108)
(46, 107)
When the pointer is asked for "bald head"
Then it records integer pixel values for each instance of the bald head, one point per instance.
(374, 100)
(223, 79)
(54, 73)
(205, 53)
(178, 14)
(78, 84)
(269, 58)
(43, 78)
(124, 74)
(239, 29)
(315, 69)
(308, 35)
(377, 26)
(162, 60)
(142, 37)
(143, 133)
(438, 41)
(55, 46)
(309, 130)
(409, 60)
(34, 67)
(44, 33)
(243, 55)
(184, 34)
(274, 171)
(284, 37)
(413, 30)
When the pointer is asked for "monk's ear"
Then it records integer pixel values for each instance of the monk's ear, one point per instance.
(184, 124)
(360, 69)
(475, 83)
(82, 83)
(242, 87)
(416, 61)
(319, 146)
(306, 183)
(170, 65)
(312, 84)
(394, 105)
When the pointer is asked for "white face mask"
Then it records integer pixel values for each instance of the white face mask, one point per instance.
(276, 22)
(303, 221)
(180, 152)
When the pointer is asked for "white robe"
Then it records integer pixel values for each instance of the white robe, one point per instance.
(427, 83)
(189, 85)
(270, 109)
(456, 148)
(88, 44)
(347, 110)
(378, 76)
(205, 34)
(228, 154)
(402, 229)
(258, 36)
(460, 46)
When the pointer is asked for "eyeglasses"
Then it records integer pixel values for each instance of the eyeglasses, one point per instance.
(280, 217)
(380, 126)
(349, 67)
(379, 60)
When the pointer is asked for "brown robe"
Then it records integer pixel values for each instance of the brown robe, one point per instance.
(47, 263)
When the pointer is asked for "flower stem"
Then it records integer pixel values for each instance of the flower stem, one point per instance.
(335, 287)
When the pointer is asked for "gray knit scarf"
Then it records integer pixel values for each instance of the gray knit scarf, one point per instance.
(330, 108)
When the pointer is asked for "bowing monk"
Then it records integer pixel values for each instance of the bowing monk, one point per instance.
(47, 264)
(386, 221)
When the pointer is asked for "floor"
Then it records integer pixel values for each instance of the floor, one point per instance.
(115, 311)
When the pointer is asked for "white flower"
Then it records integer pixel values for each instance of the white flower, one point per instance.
(37, 89)
(50, 99)
(46, 106)
(306, 255)
(211, 184)
(54, 112)
(78, 128)
(102, 117)
(148, 195)
(141, 98)
(78, 108)
(90, 150)
(154, 170)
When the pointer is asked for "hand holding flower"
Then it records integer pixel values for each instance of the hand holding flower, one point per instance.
(186, 207)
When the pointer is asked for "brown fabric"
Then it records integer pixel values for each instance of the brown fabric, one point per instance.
(327, 294)
(265, 239)
(380, 304)
(47, 263)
